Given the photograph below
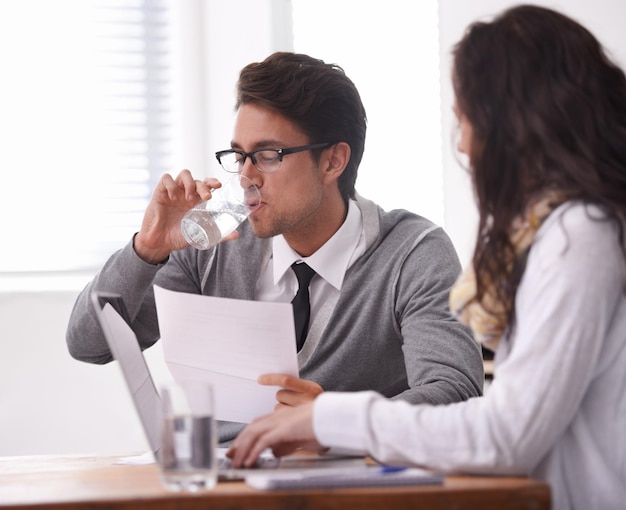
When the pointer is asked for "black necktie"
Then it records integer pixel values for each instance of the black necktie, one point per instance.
(301, 305)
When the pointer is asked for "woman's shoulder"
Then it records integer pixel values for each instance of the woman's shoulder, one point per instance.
(578, 217)
(577, 230)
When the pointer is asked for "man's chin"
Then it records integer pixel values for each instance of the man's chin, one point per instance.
(259, 231)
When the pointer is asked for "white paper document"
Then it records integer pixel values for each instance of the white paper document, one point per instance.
(229, 343)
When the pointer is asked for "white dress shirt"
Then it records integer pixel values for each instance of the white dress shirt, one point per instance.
(278, 283)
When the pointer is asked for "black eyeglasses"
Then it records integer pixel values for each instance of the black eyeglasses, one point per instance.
(266, 160)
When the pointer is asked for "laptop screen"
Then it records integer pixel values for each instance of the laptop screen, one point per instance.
(123, 343)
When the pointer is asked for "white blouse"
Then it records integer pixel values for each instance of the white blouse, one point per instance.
(556, 409)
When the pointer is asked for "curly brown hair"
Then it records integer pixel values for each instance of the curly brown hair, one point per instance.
(547, 108)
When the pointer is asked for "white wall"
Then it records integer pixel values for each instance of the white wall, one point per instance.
(390, 54)
(50, 403)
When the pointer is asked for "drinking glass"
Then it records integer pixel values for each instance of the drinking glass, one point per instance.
(188, 449)
(210, 221)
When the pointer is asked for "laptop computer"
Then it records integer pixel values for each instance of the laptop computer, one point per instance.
(114, 321)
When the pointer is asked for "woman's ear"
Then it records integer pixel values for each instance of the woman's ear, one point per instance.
(336, 158)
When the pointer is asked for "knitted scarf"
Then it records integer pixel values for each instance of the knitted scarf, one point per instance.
(487, 317)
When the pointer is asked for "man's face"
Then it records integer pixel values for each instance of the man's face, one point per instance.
(293, 195)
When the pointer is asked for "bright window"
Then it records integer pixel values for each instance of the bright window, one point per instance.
(86, 124)
(91, 111)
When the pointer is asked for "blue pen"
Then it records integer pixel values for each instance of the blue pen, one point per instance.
(391, 469)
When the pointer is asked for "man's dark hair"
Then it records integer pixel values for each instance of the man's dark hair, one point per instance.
(317, 97)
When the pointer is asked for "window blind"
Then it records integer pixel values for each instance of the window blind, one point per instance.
(87, 127)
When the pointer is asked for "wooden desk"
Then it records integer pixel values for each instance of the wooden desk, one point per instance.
(98, 483)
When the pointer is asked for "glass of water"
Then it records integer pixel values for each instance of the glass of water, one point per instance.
(188, 449)
(210, 221)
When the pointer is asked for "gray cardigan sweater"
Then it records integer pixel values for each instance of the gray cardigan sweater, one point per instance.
(389, 330)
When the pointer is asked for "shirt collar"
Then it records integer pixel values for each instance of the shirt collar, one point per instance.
(332, 260)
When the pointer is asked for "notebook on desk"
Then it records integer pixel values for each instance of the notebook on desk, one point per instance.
(122, 341)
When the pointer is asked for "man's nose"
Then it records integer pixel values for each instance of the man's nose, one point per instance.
(250, 171)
